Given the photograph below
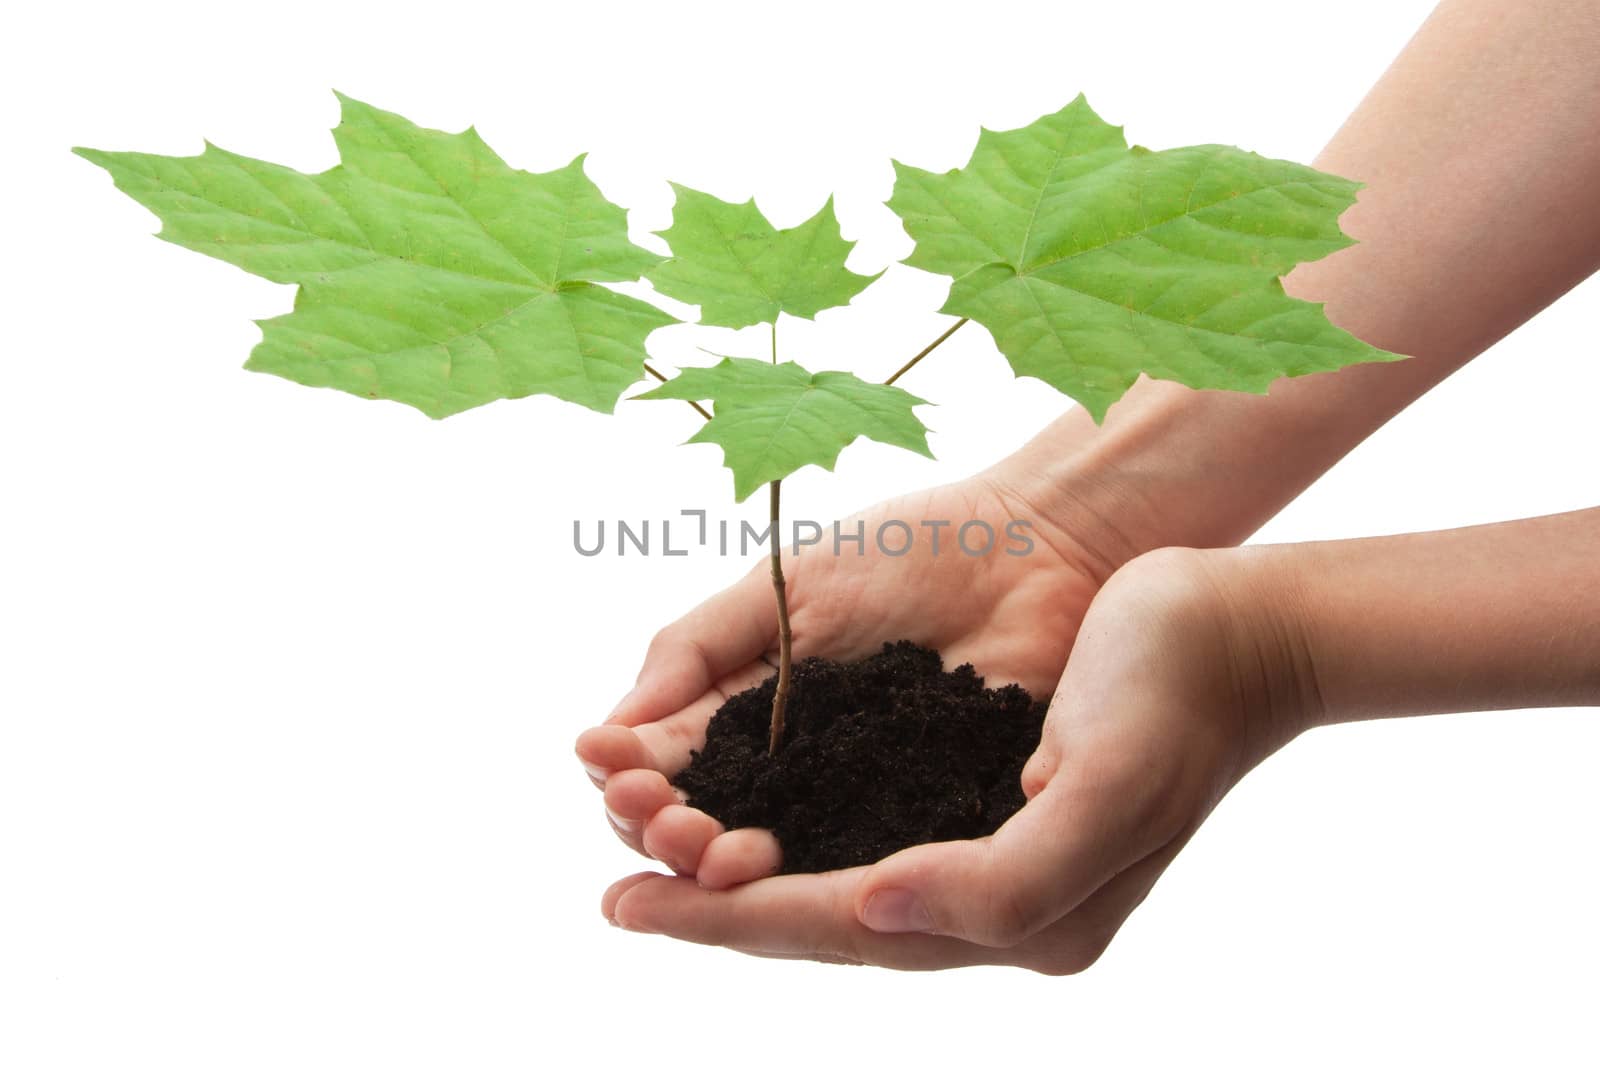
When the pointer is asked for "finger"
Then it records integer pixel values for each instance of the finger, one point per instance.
(637, 794)
(1040, 768)
(669, 740)
(632, 797)
(739, 856)
(678, 835)
(663, 745)
(807, 916)
(1073, 943)
(1068, 841)
(605, 750)
(608, 900)
(684, 659)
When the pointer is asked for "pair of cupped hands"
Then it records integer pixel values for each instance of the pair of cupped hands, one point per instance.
(1147, 729)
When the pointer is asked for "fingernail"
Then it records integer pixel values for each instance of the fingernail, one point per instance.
(683, 798)
(896, 911)
(596, 774)
(633, 926)
(627, 826)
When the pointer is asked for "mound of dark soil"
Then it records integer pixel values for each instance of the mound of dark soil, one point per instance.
(877, 756)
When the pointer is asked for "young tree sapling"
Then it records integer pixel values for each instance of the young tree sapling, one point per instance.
(432, 273)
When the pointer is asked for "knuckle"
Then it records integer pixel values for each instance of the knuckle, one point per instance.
(1035, 776)
(1008, 929)
(1060, 966)
(1168, 822)
(665, 640)
(1007, 920)
(1073, 958)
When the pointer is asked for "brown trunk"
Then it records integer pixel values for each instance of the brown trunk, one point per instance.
(780, 696)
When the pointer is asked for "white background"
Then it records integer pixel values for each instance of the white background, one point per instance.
(290, 680)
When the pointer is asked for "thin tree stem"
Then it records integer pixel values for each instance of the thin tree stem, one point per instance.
(780, 696)
(914, 360)
(658, 376)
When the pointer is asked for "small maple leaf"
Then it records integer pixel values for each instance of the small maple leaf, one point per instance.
(771, 419)
(729, 259)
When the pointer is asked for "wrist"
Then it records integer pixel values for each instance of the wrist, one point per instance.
(1498, 616)
(1062, 478)
(1169, 467)
(1176, 466)
(1241, 607)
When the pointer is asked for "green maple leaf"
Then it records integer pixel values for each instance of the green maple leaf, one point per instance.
(430, 272)
(772, 419)
(1091, 262)
(728, 259)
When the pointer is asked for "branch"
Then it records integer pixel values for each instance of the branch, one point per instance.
(937, 341)
(658, 376)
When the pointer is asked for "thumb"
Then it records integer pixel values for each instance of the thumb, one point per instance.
(685, 658)
(1064, 844)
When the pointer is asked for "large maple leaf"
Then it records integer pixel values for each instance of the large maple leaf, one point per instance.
(771, 419)
(1091, 262)
(430, 272)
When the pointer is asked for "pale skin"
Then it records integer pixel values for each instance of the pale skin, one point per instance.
(1190, 659)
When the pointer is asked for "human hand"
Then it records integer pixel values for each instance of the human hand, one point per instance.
(1189, 668)
(1013, 617)
(1174, 689)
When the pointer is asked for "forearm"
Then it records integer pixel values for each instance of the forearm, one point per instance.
(1498, 616)
(1480, 150)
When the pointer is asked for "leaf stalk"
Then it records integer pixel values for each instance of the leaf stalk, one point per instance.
(658, 376)
(914, 360)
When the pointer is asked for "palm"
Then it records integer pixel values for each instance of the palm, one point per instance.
(1151, 724)
(1014, 617)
